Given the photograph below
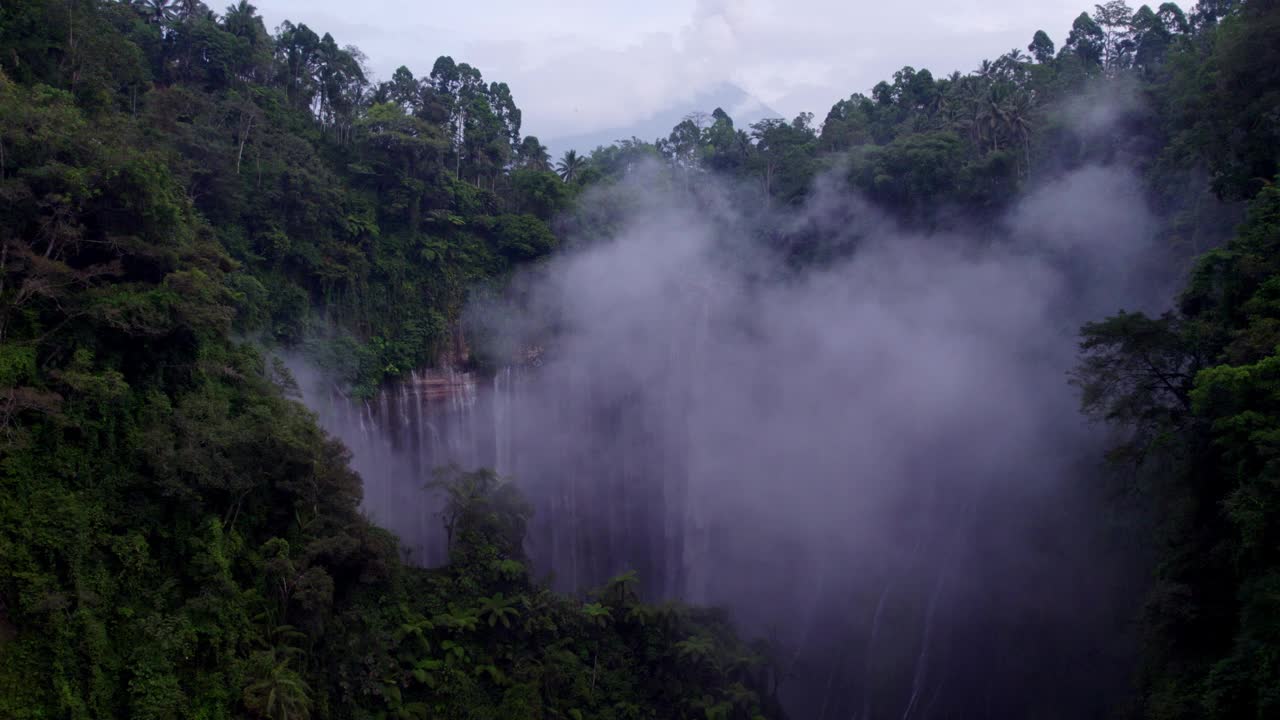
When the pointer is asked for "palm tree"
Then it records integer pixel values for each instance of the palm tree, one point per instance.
(1018, 118)
(415, 626)
(498, 609)
(277, 692)
(457, 619)
(993, 116)
(187, 9)
(698, 650)
(571, 165)
(158, 12)
(968, 107)
(238, 19)
(597, 614)
(740, 697)
(620, 591)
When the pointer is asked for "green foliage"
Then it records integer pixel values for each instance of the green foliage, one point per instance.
(1199, 390)
(178, 539)
(928, 149)
(484, 515)
(540, 193)
(347, 208)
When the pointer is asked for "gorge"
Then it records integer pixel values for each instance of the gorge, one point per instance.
(868, 461)
(333, 397)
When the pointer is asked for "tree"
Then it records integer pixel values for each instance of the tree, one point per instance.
(253, 58)
(460, 92)
(993, 115)
(1207, 13)
(403, 90)
(1138, 372)
(617, 160)
(1150, 38)
(1012, 59)
(1018, 120)
(1242, 135)
(160, 12)
(339, 79)
(406, 149)
(498, 609)
(1173, 19)
(241, 18)
(297, 50)
(1041, 47)
(1114, 19)
(570, 165)
(484, 515)
(532, 154)
(190, 10)
(275, 690)
(849, 123)
(1198, 393)
(539, 192)
(726, 150)
(487, 145)
(783, 156)
(1086, 41)
(620, 591)
(504, 107)
(914, 91)
(683, 147)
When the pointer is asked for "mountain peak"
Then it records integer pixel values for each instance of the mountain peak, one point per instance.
(741, 105)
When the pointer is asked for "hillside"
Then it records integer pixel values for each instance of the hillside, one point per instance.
(185, 196)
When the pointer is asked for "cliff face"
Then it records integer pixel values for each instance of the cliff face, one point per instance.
(605, 480)
(396, 439)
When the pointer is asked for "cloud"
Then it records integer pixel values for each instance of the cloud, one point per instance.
(576, 66)
(797, 447)
(876, 459)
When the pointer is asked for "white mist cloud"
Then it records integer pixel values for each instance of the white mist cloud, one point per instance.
(895, 424)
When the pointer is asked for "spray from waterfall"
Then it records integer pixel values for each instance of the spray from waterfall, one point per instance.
(877, 454)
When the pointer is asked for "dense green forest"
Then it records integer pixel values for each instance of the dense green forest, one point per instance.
(180, 189)
(177, 536)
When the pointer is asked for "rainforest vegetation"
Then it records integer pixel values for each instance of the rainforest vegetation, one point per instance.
(183, 190)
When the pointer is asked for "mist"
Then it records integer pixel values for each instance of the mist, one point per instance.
(876, 466)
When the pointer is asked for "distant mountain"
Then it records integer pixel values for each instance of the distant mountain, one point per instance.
(743, 107)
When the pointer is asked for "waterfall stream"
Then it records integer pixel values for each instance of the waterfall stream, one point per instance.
(615, 485)
(599, 510)
(894, 519)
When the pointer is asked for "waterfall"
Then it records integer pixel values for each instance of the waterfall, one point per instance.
(604, 455)
(721, 477)
(871, 642)
(397, 439)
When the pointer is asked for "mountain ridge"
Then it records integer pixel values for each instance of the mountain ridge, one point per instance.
(741, 105)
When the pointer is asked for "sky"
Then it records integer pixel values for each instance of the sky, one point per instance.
(577, 66)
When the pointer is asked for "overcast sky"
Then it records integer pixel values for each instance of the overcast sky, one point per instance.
(583, 65)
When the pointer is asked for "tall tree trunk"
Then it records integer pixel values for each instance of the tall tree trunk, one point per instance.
(243, 138)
